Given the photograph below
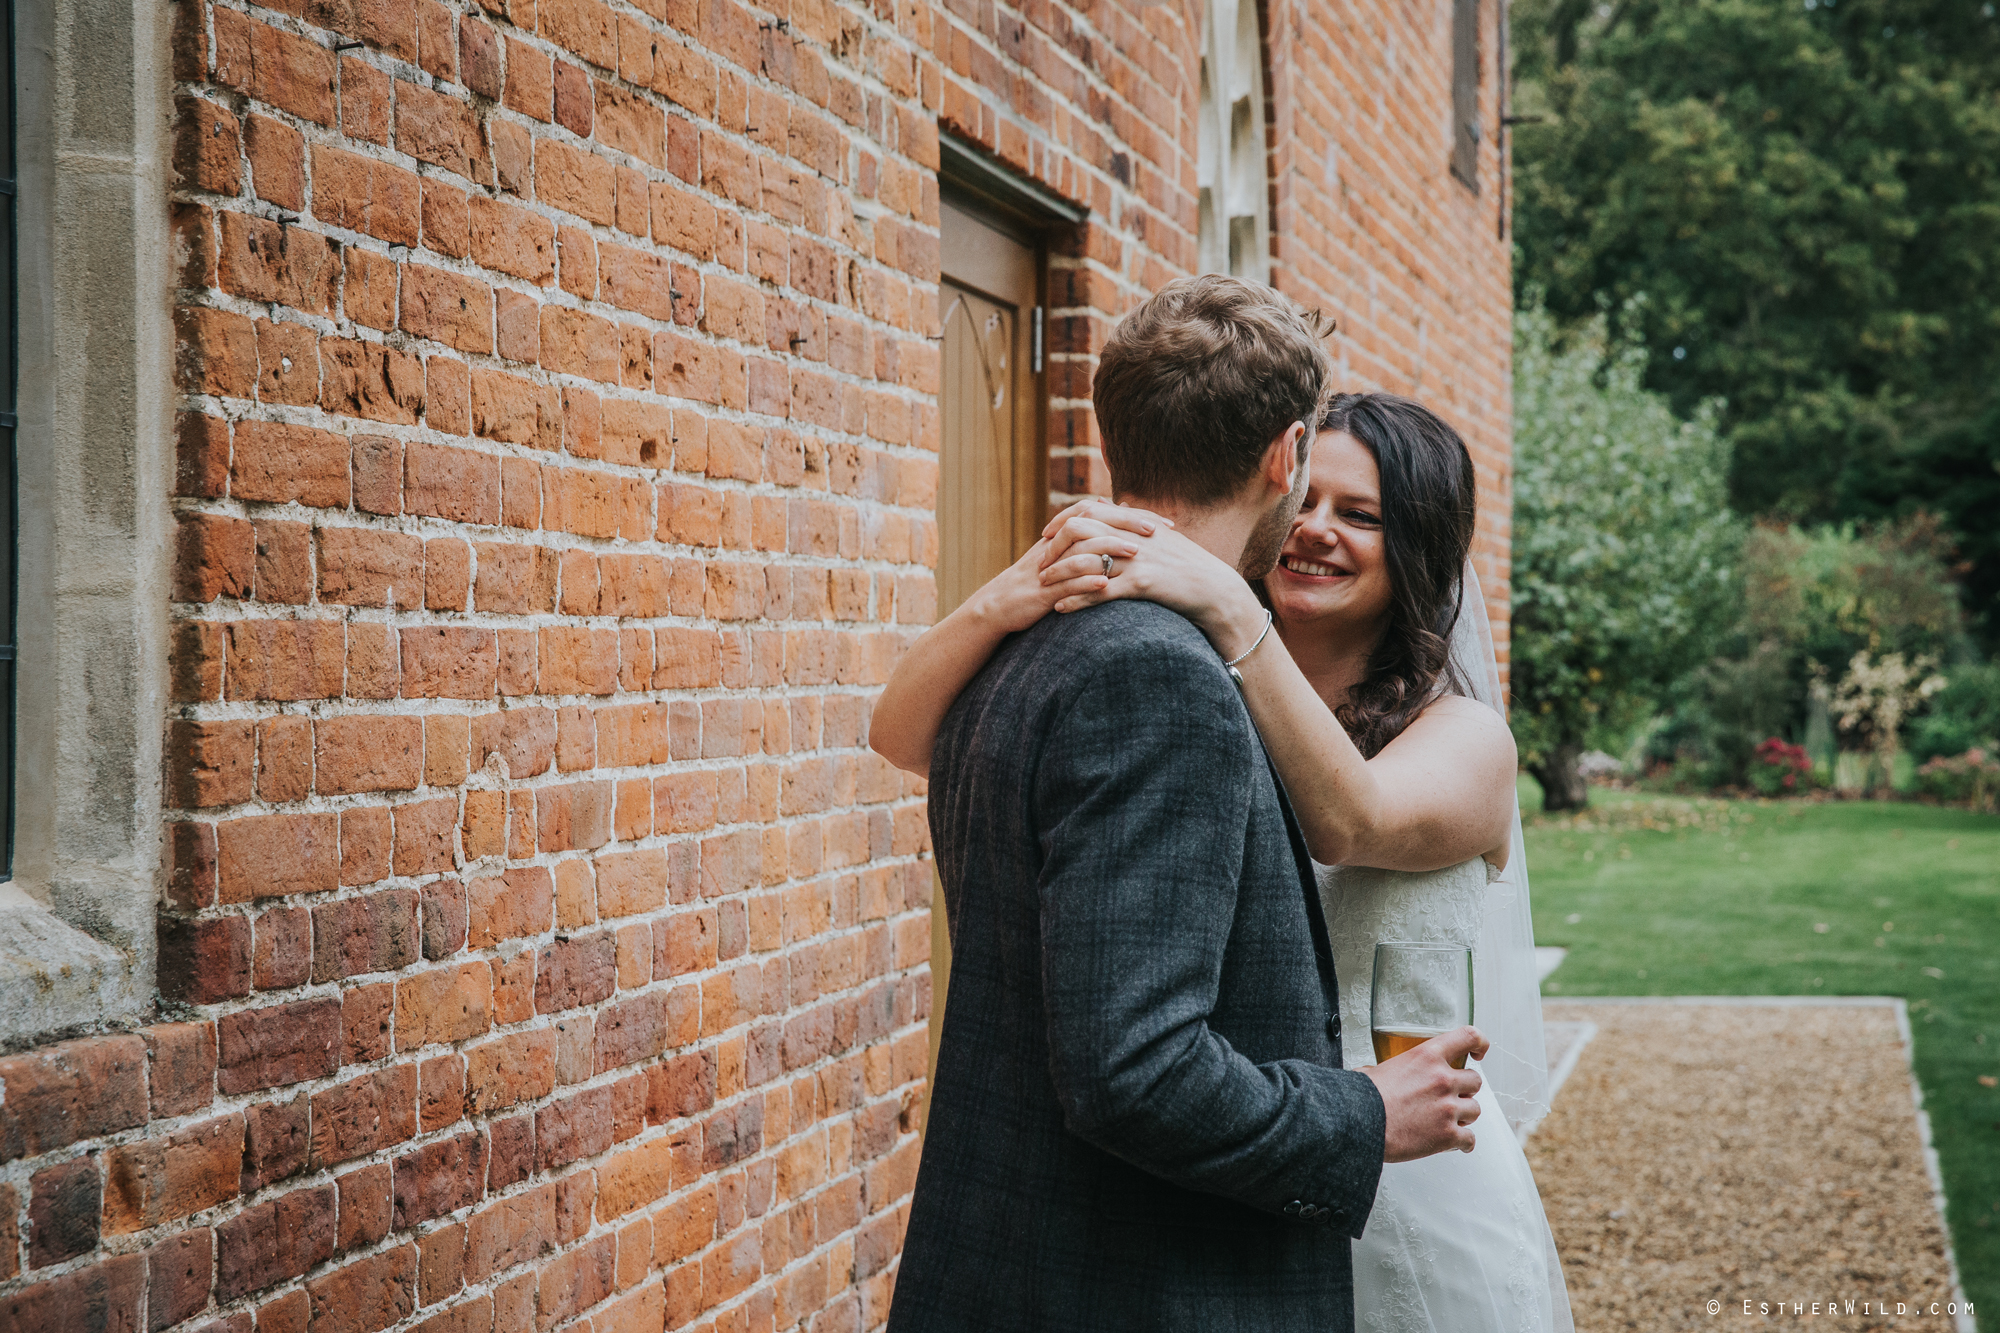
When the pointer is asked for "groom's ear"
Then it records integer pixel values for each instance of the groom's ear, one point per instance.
(1283, 461)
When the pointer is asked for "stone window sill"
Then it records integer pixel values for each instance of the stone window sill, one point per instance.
(53, 977)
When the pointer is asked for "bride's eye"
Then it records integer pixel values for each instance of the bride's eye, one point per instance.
(1362, 518)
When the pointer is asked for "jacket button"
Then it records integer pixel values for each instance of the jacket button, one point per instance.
(1294, 1208)
(1308, 1213)
(1333, 1028)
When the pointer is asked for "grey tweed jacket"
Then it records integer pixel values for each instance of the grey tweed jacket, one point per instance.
(1139, 1119)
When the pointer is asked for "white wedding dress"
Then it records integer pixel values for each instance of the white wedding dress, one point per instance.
(1457, 1243)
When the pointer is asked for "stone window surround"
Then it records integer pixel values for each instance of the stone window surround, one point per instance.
(77, 921)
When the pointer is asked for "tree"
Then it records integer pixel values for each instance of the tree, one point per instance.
(1808, 193)
(1624, 543)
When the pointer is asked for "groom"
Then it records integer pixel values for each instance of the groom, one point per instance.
(1139, 1119)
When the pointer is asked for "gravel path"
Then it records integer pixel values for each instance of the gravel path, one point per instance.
(1728, 1152)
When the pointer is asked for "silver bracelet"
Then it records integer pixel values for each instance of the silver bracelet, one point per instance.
(1236, 675)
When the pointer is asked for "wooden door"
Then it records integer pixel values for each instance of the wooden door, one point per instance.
(993, 489)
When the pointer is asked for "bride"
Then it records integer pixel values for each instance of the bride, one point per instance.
(1378, 698)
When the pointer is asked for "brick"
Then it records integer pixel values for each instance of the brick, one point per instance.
(275, 1143)
(446, 386)
(103, 1296)
(367, 1295)
(576, 182)
(365, 1015)
(510, 1231)
(457, 484)
(64, 1202)
(518, 903)
(479, 51)
(201, 455)
(575, 972)
(364, 845)
(215, 352)
(445, 917)
(180, 1067)
(439, 129)
(369, 295)
(284, 758)
(274, 66)
(207, 147)
(269, 856)
(261, 260)
(440, 1092)
(369, 380)
(213, 557)
(425, 843)
(508, 1070)
(681, 1086)
(178, 1272)
(634, 1177)
(364, 101)
(523, 738)
(357, 754)
(369, 567)
(203, 961)
(631, 124)
(289, 1313)
(209, 763)
(373, 671)
(366, 1207)
(454, 310)
(439, 1178)
(576, 1280)
(448, 663)
(282, 954)
(514, 580)
(274, 1242)
(268, 1048)
(573, 100)
(512, 240)
(446, 220)
(575, 342)
(441, 1265)
(515, 411)
(376, 932)
(190, 868)
(171, 1176)
(363, 1115)
(573, 1128)
(447, 573)
(280, 463)
(277, 162)
(284, 562)
(449, 1004)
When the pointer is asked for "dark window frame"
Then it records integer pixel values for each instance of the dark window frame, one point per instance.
(1465, 70)
(10, 366)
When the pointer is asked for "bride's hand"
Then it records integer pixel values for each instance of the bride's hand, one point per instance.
(1161, 566)
(1020, 595)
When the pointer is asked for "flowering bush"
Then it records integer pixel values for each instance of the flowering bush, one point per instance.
(1777, 769)
(1972, 778)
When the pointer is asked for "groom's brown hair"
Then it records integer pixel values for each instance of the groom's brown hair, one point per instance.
(1195, 384)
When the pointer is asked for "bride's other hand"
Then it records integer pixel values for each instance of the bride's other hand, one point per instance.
(1022, 594)
(1163, 567)
(1429, 1097)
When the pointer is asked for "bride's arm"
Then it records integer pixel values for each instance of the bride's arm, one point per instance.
(945, 658)
(1440, 793)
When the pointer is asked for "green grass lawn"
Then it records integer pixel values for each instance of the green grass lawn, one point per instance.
(1674, 896)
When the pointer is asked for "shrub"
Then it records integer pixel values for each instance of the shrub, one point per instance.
(1964, 715)
(1780, 769)
(1972, 778)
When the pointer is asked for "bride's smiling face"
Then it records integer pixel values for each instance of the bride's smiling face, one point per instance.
(1332, 566)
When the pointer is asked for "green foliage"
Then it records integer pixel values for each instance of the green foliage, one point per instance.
(1624, 544)
(1812, 599)
(1808, 194)
(1678, 897)
(1965, 715)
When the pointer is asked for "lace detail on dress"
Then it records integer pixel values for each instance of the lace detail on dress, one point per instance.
(1456, 1243)
(1366, 906)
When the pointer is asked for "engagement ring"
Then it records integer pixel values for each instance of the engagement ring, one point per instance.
(1107, 565)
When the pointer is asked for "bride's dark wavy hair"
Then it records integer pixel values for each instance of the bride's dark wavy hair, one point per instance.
(1429, 496)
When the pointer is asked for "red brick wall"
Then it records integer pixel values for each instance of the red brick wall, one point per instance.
(542, 947)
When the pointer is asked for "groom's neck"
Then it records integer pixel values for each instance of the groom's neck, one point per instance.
(1221, 529)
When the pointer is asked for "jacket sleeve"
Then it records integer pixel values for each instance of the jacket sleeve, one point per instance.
(1142, 798)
